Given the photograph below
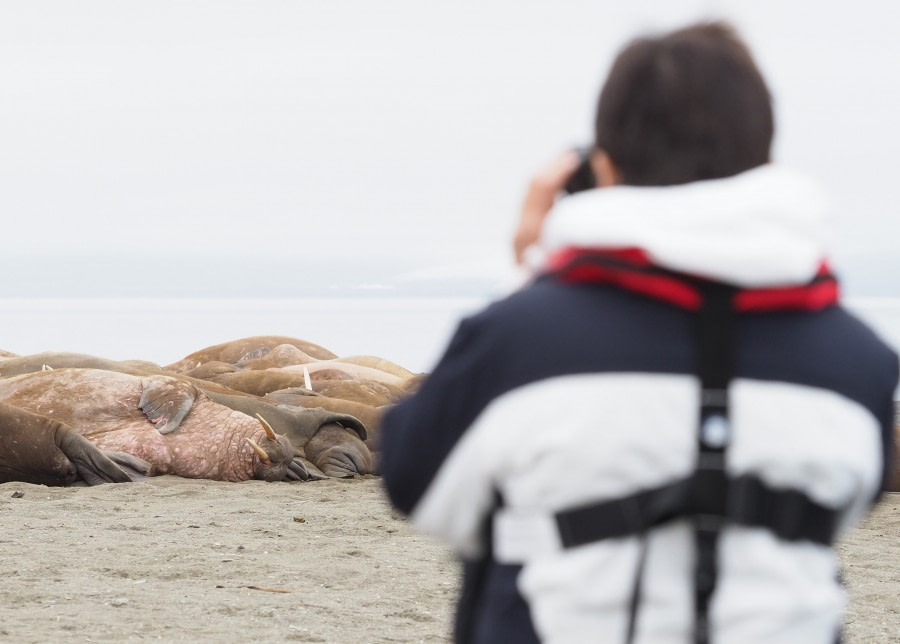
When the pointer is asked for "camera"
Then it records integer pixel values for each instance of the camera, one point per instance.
(583, 177)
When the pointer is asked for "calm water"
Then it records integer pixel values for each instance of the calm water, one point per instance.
(411, 332)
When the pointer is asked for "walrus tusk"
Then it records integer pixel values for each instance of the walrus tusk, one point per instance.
(259, 452)
(46, 367)
(306, 380)
(270, 433)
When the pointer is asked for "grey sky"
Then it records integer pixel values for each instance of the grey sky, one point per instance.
(310, 146)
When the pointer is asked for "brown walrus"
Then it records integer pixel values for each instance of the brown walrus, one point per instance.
(210, 370)
(247, 349)
(164, 421)
(298, 425)
(328, 450)
(366, 392)
(369, 416)
(18, 365)
(250, 380)
(308, 430)
(335, 370)
(374, 362)
(281, 356)
(259, 383)
(40, 450)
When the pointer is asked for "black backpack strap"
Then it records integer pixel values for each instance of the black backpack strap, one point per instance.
(716, 358)
(746, 500)
(707, 497)
(636, 590)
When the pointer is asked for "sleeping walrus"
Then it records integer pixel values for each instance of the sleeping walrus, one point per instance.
(347, 454)
(37, 449)
(167, 422)
(17, 365)
(245, 349)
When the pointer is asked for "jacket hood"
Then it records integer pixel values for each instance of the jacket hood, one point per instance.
(764, 227)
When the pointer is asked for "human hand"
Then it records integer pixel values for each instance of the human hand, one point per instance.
(541, 196)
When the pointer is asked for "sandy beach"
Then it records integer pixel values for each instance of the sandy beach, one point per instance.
(182, 560)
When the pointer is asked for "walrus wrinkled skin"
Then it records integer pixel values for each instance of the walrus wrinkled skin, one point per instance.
(37, 449)
(246, 349)
(159, 419)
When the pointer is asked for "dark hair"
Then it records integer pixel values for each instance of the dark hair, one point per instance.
(685, 106)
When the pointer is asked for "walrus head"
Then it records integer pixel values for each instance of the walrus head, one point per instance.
(275, 455)
(339, 452)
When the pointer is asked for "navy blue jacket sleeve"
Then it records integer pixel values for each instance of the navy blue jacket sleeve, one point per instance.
(888, 420)
(419, 433)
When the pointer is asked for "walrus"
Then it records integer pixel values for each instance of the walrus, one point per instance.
(18, 365)
(276, 378)
(337, 370)
(328, 450)
(337, 454)
(8, 354)
(369, 416)
(265, 381)
(167, 422)
(299, 425)
(209, 370)
(247, 349)
(259, 383)
(283, 355)
(366, 392)
(334, 370)
(374, 362)
(37, 449)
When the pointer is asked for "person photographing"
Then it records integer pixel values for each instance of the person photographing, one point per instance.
(659, 438)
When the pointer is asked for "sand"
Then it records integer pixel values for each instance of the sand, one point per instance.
(181, 560)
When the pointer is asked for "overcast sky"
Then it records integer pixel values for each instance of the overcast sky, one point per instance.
(266, 148)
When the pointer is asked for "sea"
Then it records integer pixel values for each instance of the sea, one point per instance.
(412, 331)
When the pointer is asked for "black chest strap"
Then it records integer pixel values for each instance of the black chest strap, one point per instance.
(707, 497)
(745, 501)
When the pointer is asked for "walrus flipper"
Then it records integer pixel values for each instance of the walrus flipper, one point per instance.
(95, 466)
(302, 470)
(166, 401)
(137, 468)
(315, 474)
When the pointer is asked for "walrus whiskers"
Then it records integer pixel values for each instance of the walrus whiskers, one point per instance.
(259, 451)
(270, 433)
